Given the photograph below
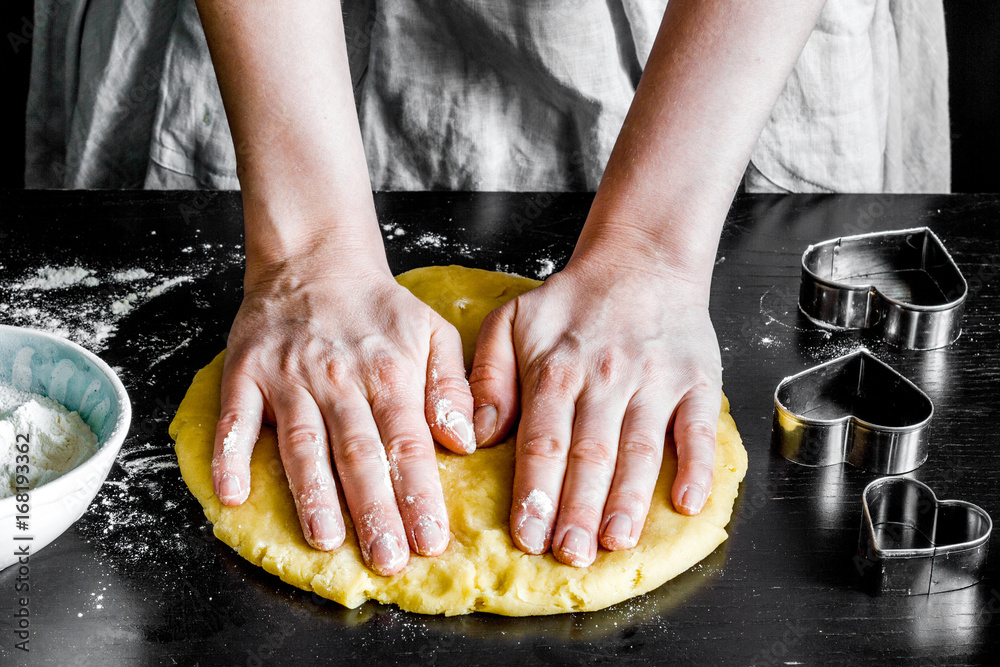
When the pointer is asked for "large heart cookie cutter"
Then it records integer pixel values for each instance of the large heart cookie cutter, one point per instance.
(914, 544)
(854, 409)
(903, 284)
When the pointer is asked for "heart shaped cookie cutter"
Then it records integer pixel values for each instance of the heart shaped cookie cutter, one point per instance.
(853, 409)
(914, 544)
(903, 284)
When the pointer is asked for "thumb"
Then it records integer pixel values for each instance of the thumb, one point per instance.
(494, 377)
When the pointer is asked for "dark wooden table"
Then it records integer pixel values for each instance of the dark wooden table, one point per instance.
(140, 578)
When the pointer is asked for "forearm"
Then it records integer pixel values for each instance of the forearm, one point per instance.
(285, 81)
(713, 75)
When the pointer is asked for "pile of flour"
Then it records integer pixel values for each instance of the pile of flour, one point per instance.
(59, 440)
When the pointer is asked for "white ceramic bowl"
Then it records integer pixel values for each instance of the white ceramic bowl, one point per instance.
(47, 364)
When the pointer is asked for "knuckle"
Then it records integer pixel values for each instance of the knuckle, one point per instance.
(493, 318)
(370, 515)
(289, 364)
(589, 450)
(705, 384)
(630, 500)
(405, 447)
(354, 451)
(581, 512)
(227, 420)
(417, 503)
(699, 432)
(313, 491)
(337, 369)
(450, 384)
(554, 375)
(545, 448)
(654, 371)
(608, 364)
(485, 372)
(695, 466)
(644, 449)
(389, 378)
(239, 363)
(302, 445)
(303, 437)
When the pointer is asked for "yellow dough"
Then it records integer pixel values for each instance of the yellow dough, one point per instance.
(481, 570)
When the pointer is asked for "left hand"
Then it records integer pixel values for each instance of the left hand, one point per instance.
(610, 359)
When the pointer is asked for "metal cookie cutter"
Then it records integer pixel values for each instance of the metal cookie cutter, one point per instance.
(904, 284)
(853, 409)
(913, 544)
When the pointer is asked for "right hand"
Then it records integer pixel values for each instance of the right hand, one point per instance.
(346, 361)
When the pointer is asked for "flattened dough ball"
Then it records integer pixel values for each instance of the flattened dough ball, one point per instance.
(482, 570)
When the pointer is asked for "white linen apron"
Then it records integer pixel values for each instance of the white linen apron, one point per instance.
(482, 95)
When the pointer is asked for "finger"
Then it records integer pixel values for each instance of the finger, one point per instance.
(543, 439)
(590, 467)
(493, 379)
(695, 425)
(398, 412)
(449, 400)
(235, 436)
(305, 453)
(640, 453)
(364, 477)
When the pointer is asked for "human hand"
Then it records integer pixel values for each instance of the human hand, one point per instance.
(609, 359)
(340, 362)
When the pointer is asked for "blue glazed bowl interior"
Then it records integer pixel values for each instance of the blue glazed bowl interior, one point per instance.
(45, 364)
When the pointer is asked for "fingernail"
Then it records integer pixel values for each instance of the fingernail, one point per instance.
(577, 547)
(693, 499)
(325, 532)
(387, 554)
(428, 535)
(229, 488)
(462, 427)
(485, 419)
(618, 531)
(532, 532)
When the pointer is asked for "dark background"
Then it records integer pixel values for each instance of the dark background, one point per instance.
(973, 47)
(141, 580)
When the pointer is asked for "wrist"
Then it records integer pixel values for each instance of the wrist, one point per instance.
(296, 248)
(678, 254)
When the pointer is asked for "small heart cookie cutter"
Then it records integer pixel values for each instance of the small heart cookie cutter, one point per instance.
(911, 543)
(853, 409)
(902, 283)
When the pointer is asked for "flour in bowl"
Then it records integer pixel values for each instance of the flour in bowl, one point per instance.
(59, 440)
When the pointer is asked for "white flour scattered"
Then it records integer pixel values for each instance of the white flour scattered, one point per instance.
(546, 269)
(165, 285)
(58, 440)
(131, 275)
(430, 240)
(78, 304)
(124, 305)
(393, 231)
(48, 278)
